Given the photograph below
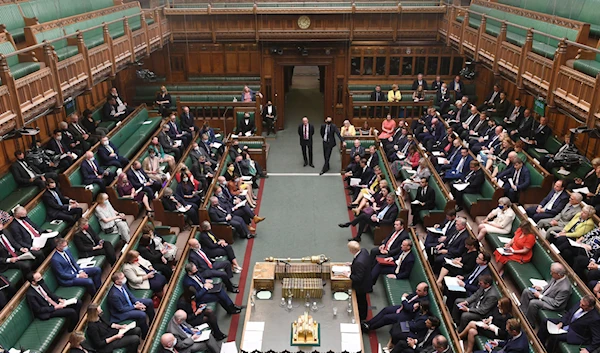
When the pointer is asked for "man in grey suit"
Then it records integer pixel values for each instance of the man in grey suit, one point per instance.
(186, 336)
(558, 222)
(553, 297)
(478, 305)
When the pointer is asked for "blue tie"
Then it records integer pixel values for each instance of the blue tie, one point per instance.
(186, 330)
(126, 296)
(57, 198)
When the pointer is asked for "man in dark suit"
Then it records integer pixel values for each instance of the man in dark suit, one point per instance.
(168, 145)
(470, 281)
(328, 133)
(581, 323)
(390, 246)
(214, 247)
(436, 84)
(386, 216)
(88, 243)
(78, 146)
(474, 180)
(217, 213)
(419, 82)
(269, 117)
(452, 247)
(443, 230)
(443, 99)
(420, 340)
(306, 132)
(501, 107)
(139, 179)
(517, 343)
(471, 119)
(10, 251)
(372, 157)
(551, 205)
(246, 126)
(176, 203)
(391, 314)
(24, 231)
(476, 306)
(177, 133)
(109, 154)
(79, 132)
(398, 266)
(364, 173)
(205, 292)
(357, 148)
(377, 96)
(186, 120)
(458, 87)
(360, 275)
(524, 127)
(111, 110)
(59, 206)
(69, 274)
(26, 174)
(186, 336)
(521, 179)
(425, 200)
(539, 134)
(119, 101)
(209, 269)
(492, 99)
(92, 173)
(60, 148)
(46, 305)
(489, 141)
(460, 166)
(514, 115)
(123, 305)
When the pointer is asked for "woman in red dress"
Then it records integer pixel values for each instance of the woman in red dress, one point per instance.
(521, 247)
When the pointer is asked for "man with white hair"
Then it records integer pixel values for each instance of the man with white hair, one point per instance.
(168, 342)
(557, 222)
(552, 297)
(186, 336)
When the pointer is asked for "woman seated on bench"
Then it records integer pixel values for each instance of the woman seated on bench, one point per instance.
(414, 182)
(499, 220)
(126, 190)
(520, 247)
(141, 274)
(110, 220)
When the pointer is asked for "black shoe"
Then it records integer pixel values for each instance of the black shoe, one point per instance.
(355, 239)
(351, 206)
(221, 337)
(321, 173)
(305, 164)
(364, 326)
(312, 165)
(348, 188)
(234, 290)
(344, 225)
(250, 236)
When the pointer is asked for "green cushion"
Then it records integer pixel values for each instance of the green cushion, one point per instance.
(590, 67)
(67, 52)
(14, 276)
(23, 69)
(11, 17)
(11, 194)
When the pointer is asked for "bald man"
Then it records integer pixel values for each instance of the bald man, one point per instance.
(209, 269)
(186, 336)
(360, 274)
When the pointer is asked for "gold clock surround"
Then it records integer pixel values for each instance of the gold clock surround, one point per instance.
(303, 22)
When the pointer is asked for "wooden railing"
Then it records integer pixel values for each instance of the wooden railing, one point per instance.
(370, 109)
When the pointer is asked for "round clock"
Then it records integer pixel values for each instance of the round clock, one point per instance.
(303, 22)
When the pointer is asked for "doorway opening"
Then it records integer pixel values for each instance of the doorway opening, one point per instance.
(304, 77)
(303, 86)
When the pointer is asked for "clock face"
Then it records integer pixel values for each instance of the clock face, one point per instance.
(303, 22)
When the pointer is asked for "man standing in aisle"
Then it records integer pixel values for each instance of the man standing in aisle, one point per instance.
(360, 275)
(306, 131)
(328, 133)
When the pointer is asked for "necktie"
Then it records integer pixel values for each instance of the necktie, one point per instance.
(550, 203)
(93, 165)
(382, 213)
(56, 197)
(391, 240)
(45, 295)
(212, 237)
(110, 149)
(475, 273)
(447, 226)
(469, 176)
(203, 256)
(539, 129)
(27, 169)
(468, 122)
(8, 247)
(480, 299)
(454, 154)
(429, 332)
(461, 164)
(195, 278)
(306, 132)
(30, 228)
(186, 330)
(514, 114)
(405, 148)
(516, 177)
(326, 132)
(478, 125)
(399, 263)
(423, 192)
(453, 238)
(140, 176)
(78, 128)
(60, 147)
(126, 296)
(68, 259)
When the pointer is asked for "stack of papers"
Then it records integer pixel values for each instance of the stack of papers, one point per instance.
(350, 337)
(584, 190)
(541, 150)
(435, 230)
(128, 327)
(504, 251)
(86, 262)
(563, 172)
(504, 239)
(253, 336)
(449, 262)
(340, 269)
(553, 329)
(460, 186)
(442, 160)
(452, 284)
(354, 181)
(538, 282)
(40, 242)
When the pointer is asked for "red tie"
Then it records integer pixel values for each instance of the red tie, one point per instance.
(31, 229)
(94, 167)
(389, 242)
(60, 147)
(201, 253)
(8, 247)
(306, 132)
(46, 296)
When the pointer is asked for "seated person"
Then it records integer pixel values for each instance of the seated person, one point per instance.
(419, 94)
(215, 247)
(433, 134)
(416, 326)
(79, 132)
(514, 115)
(469, 281)
(551, 205)
(187, 121)
(462, 265)
(478, 305)
(539, 134)
(237, 207)
(517, 153)
(73, 144)
(176, 133)
(581, 224)
(422, 340)
(347, 129)
(10, 252)
(164, 102)
(365, 174)
(88, 243)
(187, 336)
(126, 190)
(43, 160)
(209, 269)
(184, 171)
(24, 231)
(499, 220)
(450, 156)
(451, 247)
(46, 305)
(91, 125)
(111, 111)
(92, 173)
(189, 191)
(206, 292)
(198, 314)
(246, 126)
(26, 174)
(113, 93)
(168, 144)
(174, 203)
(491, 140)
(168, 250)
(7, 290)
(217, 213)
(479, 128)
(497, 156)
(553, 297)
(249, 95)
(519, 248)
(61, 148)
(474, 181)
(160, 153)
(585, 262)
(515, 179)
(205, 147)
(441, 233)
(558, 222)
(104, 337)
(492, 99)
(580, 322)
(69, 274)
(459, 167)
(374, 204)
(398, 266)
(123, 305)
(59, 207)
(390, 246)
(152, 168)
(424, 200)
(443, 99)
(392, 314)
(147, 250)
(494, 326)
(202, 172)
(414, 182)
(110, 220)
(386, 216)
(139, 179)
(517, 341)
(109, 154)
(141, 275)
(589, 180)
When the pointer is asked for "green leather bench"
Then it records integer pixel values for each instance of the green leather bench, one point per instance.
(240, 117)
(61, 47)
(17, 69)
(97, 116)
(223, 78)
(439, 212)
(13, 276)
(537, 180)
(46, 11)
(134, 134)
(112, 238)
(552, 145)
(13, 22)
(481, 204)
(38, 215)
(11, 194)
(590, 67)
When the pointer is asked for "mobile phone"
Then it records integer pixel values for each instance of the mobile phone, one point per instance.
(532, 289)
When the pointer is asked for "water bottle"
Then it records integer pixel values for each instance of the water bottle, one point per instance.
(289, 304)
(253, 299)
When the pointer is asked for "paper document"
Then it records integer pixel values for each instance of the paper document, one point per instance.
(449, 262)
(584, 190)
(368, 197)
(435, 230)
(229, 347)
(452, 284)
(538, 282)
(511, 181)
(500, 183)
(525, 140)
(553, 329)
(522, 209)
(184, 209)
(14, 350)
(541, 150)
(121, 108)
(128, 327)
(354, 181)
(216, 145)
(203, 336)
(234, 136)
(411, 171)
(248, 133)
(38, 242)
(27, 256)
(147, 122)
(460, 186)
(505, 252)
(442, 160)
(255, 326)
(563, 172)
(554, 248)
(350, 342)
(177, 143)
(340, 269)
(349, 328)
(85, 260)
(246, 178)
(201, 327)
(436, 153)
(416, 202)
(504, 239)
(407, 167)
(575, 244)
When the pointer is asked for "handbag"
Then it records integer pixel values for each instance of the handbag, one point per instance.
(110, 230)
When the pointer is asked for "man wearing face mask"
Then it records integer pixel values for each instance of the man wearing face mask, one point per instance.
(93, 174)
(203, 149)
(10, 250)
(236, 207)
(60, 148)
(123, 305)
(328, 133)
(69, 274)
(109, 154)
(76, 145)
(24, 231)
(59, 206)
(269, 115)
(202, 172)
(247, 127)
(175, 203)
(168, 144)
(217, 213)
(88, 243)
(139, 179)
(186, 335)
(26, 174)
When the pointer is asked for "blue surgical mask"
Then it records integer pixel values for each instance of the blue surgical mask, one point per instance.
(501, 207)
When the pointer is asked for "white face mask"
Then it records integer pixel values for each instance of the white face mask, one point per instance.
(185, 179)
(105, 143)
(123, 281)
(92, 159)
(58, 138)
(174, 342)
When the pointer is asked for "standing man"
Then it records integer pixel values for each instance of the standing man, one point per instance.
(360, 274)
(328, 133)
(306, 131)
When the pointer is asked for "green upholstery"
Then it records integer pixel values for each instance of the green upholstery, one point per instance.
(18, 69)
(13, 276)
(240, 117)
(130, 138)
(38, 215)
(552, 145)
(63, 51)
(11, 18)
(487, 193)
(11, 194)
(590, 67)
(97, 116)
(112, 238)
(46, 11)
(224, 78)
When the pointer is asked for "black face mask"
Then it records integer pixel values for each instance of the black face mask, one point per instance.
(328, 122)
(40, 282)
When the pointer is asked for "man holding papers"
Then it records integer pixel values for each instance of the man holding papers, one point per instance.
(390, 246)
(45, 305)
(469, 282)
(69, 274)
(471, 183)
(478, 305)
(398, 267)
(123, 305)
(12, 256)
(439, 232)
(460, 166)
(517, 343)
(579, 326)
(190, 339)
(452, 247)
(515, 179)
(25, 232)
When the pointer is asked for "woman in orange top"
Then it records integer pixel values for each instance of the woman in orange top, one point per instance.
(522, 246)
(388, 126)
(236, 186)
